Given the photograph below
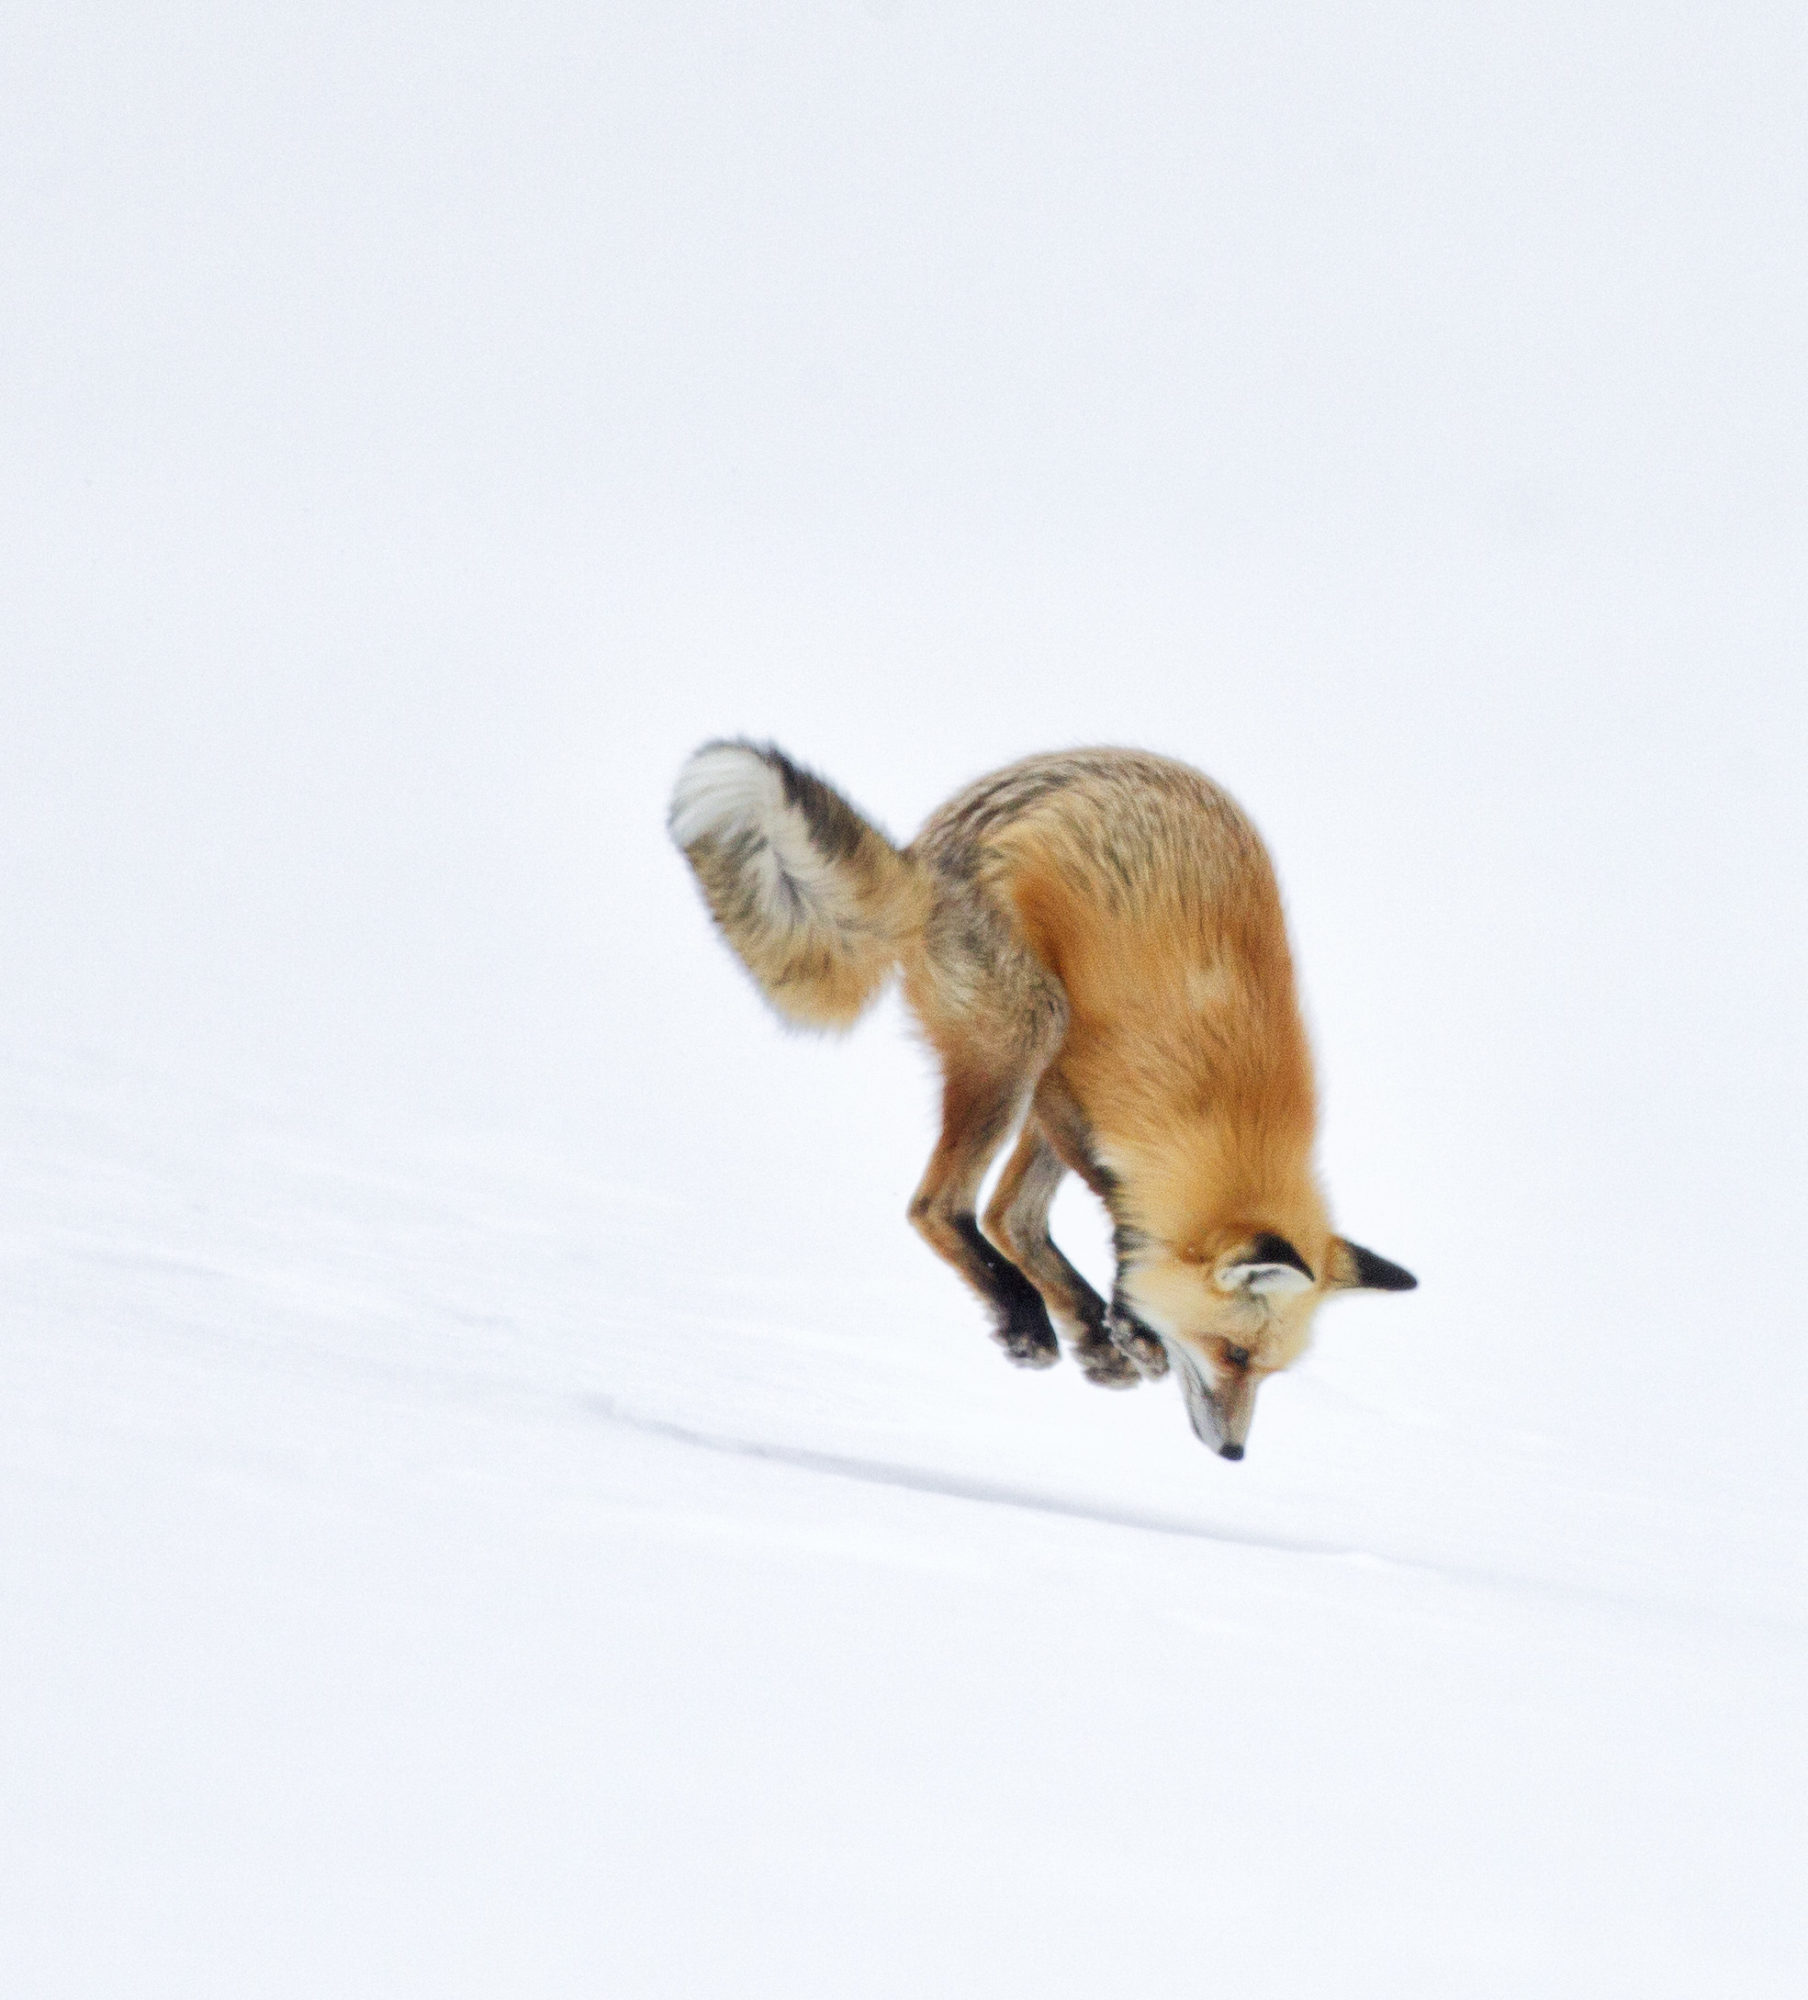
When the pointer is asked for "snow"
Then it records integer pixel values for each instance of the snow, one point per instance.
(498, 1499)
(413, 1587)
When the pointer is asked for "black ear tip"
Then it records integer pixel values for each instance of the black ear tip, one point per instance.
(1376, 1274)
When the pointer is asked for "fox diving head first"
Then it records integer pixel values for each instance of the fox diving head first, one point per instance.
(1093, 945)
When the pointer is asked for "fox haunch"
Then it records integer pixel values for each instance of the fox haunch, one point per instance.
(1093, 944)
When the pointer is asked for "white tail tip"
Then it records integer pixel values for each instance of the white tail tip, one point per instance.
(723, 789)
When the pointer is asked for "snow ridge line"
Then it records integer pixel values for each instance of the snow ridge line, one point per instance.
(951, 1486)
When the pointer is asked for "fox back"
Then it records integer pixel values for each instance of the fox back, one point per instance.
(1147, 894)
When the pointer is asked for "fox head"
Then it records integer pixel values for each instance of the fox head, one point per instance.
(1233, 1310)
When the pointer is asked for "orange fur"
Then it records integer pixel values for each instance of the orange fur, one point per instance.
(1093, 942)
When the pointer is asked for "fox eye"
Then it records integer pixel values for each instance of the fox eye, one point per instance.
(1238, 1357)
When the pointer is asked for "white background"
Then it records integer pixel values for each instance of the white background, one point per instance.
(418, 428)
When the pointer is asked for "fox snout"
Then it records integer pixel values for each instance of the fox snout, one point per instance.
(1220, 1405)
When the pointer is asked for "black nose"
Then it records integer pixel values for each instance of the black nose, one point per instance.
(1230, 1451)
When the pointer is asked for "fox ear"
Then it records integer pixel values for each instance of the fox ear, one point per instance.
(1354, 1269)
(1268, 1266)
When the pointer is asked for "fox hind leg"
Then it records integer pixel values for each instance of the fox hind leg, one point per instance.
(1017, 1221)
(978, 1112)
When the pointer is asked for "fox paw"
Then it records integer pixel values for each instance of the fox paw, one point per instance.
(1136, 1343)
(1106, 1364)
(1027, 1342)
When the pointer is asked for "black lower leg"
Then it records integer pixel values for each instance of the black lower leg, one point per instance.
(1097, 1349)
(1020, 1320)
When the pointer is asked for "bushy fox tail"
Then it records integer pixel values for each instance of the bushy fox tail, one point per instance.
(813, 897)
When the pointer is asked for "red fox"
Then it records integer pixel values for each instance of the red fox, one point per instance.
(1094, 945)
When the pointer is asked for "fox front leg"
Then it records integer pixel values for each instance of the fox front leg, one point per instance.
(1067, 1130)
(1136, 1340)
(1141, 1343)
(1017, 1221)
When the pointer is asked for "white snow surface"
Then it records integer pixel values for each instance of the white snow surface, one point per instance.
(497, 1499)
(426, 1577)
